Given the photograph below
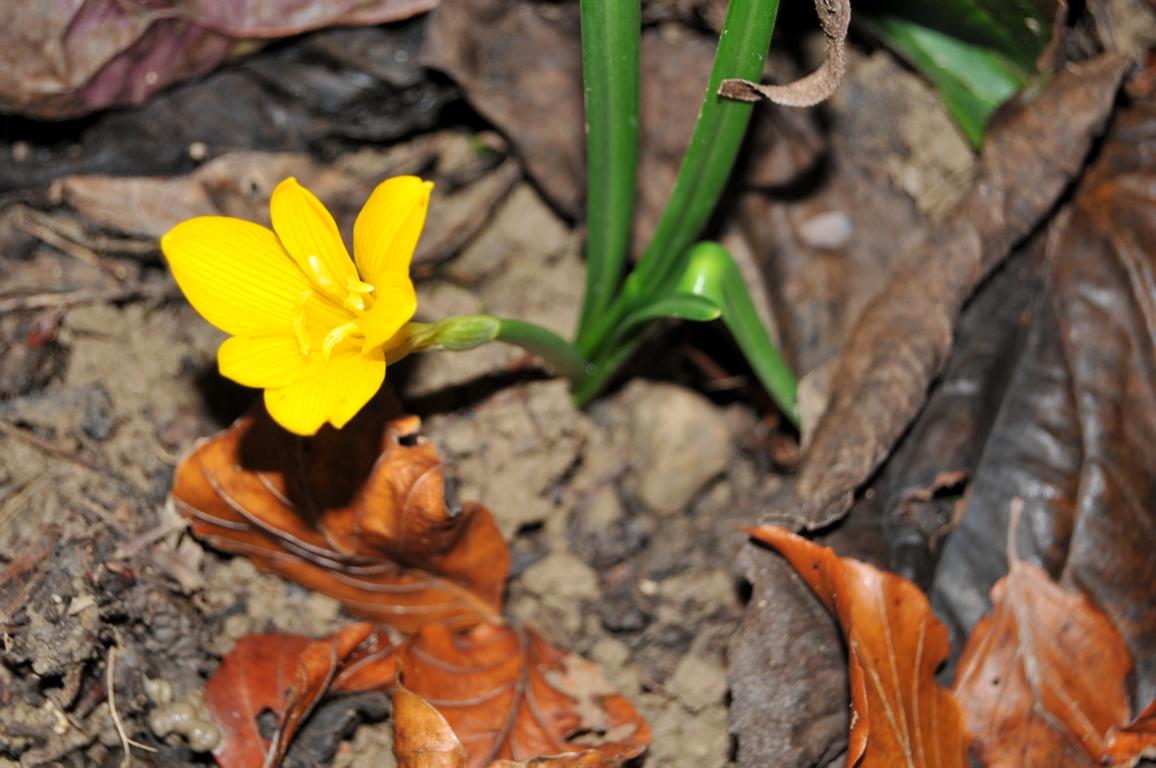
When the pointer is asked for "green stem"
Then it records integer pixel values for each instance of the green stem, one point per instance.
(599, 374)
(558, 353)
(611, 31)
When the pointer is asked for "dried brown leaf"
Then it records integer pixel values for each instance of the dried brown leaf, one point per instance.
(421, 736)
(288, 675)
(901, 716)
(1043, 677)
(68, 59)
(817, 87)
(358, 514)
(239, 184)
(904, 336)
(1126, 745)
(1076, 424)
(509, 695)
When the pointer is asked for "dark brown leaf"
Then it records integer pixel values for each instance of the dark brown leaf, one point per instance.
(359, 84)
(788, 685)
(1043, 677)
(820, 284)
(901, 716)
(287, 675)
(918, 491)
(69, 59)
(787, 670)
(1074, 433)
(358, 514)
(508, 694)
(532, 91)
(902, 339)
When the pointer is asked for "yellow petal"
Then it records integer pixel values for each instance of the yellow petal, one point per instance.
(311, 236)
(388, 227)
(334, 394)
(270, 361)
(393, 307)
(236, 274)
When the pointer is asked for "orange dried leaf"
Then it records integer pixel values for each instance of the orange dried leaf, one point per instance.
(1129, 743)
(358, 514)
(900, 715)
(288, 675)
(509, 695)
(421, 736)
(1043, 676)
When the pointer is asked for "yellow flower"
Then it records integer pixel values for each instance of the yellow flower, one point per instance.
(308, 324)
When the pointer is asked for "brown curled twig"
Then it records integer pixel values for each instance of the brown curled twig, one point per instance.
(817, 87)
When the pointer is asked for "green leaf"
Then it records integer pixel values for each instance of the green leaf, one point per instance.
(611, 35)
(1017, 29)
(684, 306)
(718, 135)
(712, 274)
(705, 169)
(972, 80)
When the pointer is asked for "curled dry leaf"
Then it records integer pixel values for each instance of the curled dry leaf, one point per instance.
(903, 337)
(509, 695)
(288, 675)
(1127, 744)
(901, 716)
(817, 87)
(1043, 676)
(68, 59)
(359, 514)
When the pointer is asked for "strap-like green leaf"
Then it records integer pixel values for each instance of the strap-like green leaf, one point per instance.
(711, 273)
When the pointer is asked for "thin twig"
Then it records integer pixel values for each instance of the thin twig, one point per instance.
(110, 682)
(37, 224)
(130, 548)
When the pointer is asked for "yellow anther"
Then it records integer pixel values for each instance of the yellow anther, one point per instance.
(359, 296)
(336, 336)
(299, 323)
(322, 276)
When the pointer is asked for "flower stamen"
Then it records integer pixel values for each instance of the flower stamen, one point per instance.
(336, 336)
(358, 292)
(323, 277)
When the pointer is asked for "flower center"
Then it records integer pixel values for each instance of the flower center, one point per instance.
(354, 296)
(307, 335)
